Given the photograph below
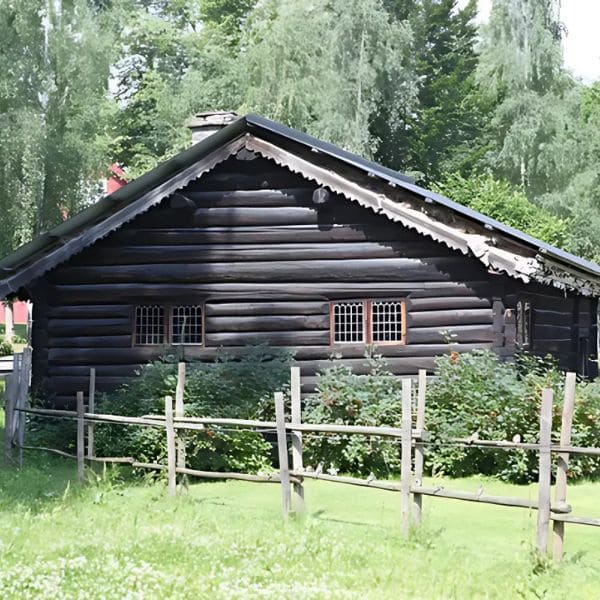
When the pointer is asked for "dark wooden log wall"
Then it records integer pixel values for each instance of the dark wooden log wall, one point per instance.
(247, 241)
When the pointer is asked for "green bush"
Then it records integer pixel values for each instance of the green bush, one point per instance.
(479, 393)
(345, 398)
(6, 348)
(472, 393)
(228, 388)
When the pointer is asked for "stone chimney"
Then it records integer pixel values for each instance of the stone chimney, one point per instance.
(207, 123)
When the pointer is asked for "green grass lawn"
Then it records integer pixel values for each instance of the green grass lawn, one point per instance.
(117, 539)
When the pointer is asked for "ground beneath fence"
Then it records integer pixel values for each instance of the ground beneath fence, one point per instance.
(227, 540)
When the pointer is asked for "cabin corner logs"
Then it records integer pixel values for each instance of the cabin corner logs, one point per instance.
(248, 242)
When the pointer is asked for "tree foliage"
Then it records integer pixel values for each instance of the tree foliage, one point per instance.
(505, 203)
(54, 113)
(410, 83)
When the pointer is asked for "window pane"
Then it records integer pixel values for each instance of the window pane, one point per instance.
(348, 322)
(149, 325)
(187, 324)
(387, 321)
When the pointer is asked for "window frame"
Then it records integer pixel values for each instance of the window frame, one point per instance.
(368, 322)
(134, 342)
(171, 328)
(168, 324)
(524, 308)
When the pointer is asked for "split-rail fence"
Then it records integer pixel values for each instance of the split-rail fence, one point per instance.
(413, 442)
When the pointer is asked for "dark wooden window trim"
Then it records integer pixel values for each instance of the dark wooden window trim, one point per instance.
(524, 323)
(368, 321)
(168, 324)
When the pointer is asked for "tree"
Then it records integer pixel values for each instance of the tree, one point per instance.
(319, 68)
(501, 201)
(444, 45)
(175, 58)
(521, 72)
(54, 68)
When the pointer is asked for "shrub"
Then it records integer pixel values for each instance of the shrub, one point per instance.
(345, 398)
(477, 392)
(6, 348)
(472, 392)
(229, 387)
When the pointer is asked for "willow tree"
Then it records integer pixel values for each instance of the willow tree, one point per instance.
(54, 70)
(320, 67)
(521, 72)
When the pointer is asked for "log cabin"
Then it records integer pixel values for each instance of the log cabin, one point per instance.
(258, 233)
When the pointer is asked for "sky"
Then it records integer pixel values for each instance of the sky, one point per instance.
(582, 43)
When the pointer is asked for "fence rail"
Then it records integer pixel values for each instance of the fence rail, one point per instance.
(413, 440)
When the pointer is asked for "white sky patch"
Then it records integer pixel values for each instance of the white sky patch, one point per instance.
(582, 43)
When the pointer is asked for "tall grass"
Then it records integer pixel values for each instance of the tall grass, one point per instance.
(117, 538)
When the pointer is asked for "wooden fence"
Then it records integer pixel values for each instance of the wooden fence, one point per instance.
(413, 441)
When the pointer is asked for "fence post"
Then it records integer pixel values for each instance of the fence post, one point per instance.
(23, 390)
(419, 448)
(297, 462)
(560, 492)
(406, 464)
(180, 413)
(545, 468)
(9, 410)
(80, 437)
(171, 450)
(91, 451)
(282, 449)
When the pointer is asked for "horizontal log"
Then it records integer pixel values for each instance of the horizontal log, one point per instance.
(65, 384)
(231, 217)
(274, 338)
(261, 179)
(575, 520)
(455, 334)
(91, 341)
(214, 253)
(75, 323)
(447, 303)
(441, 318)
(429, 269)
(546, 301)
(262, 197)
(372, 483)
(214, 309)
(97, 357)
(440, 492)
(51, 450)
(382, 430)
(115, 370)
(271, 478)
(257, 235)
(360, 366)
(89, 311)
(255, 291)
(552, 317)
(551, 332)
(92, 417)
(266, 323)
(88, 327)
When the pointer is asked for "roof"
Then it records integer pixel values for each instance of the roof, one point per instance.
(500, 247)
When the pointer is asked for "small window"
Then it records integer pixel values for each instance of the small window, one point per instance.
(523, 324)
(387, 322)
(348, 322)
(368, 322)
(149, 325)
(186, 323)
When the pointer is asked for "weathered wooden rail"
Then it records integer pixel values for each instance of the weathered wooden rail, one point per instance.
(410, 487)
